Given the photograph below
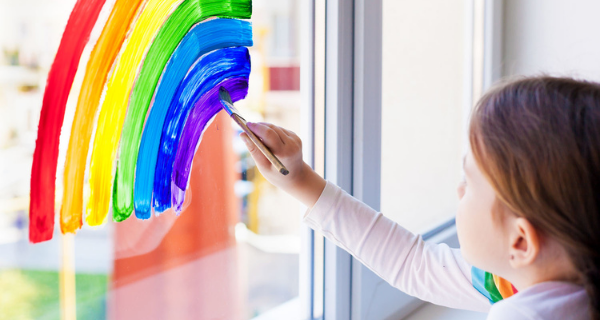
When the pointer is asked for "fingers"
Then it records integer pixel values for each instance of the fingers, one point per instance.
(293, 136)
(270, 137)
(282, 135)
(280, 141)
(285, 134)
(288, 132)
(256, 154)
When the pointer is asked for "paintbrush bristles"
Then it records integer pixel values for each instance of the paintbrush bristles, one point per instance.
(226, 101)
(228, 106)
(224, 95)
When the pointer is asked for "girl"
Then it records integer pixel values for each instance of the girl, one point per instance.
(529, 209)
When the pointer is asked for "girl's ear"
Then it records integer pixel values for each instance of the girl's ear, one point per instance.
(524, 245)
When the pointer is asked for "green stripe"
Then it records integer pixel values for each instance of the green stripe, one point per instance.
(490, 286)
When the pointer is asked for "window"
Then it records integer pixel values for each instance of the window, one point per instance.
(234, 253)
(424, 95)
(361, 101)
(379, 49)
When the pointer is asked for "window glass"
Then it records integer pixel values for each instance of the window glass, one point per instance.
(233, 253)
(423, 98)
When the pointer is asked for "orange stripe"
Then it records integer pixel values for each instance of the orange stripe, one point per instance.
(504, 287)
(99, 65)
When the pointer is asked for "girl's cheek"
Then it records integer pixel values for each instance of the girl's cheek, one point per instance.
(464, 228)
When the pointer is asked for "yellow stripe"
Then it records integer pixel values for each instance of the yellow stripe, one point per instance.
(504, 287)
(114, 107)
(101, 60)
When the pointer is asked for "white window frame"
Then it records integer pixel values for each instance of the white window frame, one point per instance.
(353, 145)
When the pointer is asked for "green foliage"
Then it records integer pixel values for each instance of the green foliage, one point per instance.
(33, 294)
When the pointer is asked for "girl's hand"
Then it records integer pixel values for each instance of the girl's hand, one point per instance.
(302, 182)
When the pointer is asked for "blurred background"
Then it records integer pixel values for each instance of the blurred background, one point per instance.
(233, 254)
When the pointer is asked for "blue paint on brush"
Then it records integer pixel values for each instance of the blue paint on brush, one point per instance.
(208, 72)
(202, 38)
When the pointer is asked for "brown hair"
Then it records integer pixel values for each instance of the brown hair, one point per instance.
(537, 140)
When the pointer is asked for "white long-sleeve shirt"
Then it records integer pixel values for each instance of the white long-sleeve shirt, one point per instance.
(428, 271)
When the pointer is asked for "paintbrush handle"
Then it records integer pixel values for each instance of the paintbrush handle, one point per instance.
(261, 146)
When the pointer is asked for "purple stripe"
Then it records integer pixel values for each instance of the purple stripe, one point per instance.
(199, 118)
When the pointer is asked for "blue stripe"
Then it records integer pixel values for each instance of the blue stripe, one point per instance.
(478, 280)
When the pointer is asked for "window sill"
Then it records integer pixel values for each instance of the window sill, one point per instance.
(433, 312)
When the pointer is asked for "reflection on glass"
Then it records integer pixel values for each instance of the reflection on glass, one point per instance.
(234, 251)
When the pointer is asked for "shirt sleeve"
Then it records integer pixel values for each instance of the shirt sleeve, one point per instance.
(505, 310)
(431, 272)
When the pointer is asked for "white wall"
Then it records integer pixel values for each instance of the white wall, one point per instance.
(553, 36)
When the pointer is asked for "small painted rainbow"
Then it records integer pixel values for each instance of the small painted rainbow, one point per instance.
(168, 59)
(491, 286)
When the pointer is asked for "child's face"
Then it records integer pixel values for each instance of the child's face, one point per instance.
(478, 227)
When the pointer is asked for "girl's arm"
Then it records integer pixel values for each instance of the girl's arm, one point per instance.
(431, 272)
(428, 271)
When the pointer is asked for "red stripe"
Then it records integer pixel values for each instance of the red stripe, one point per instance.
(60, 79)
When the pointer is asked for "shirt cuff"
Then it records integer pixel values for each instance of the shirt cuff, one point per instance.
(316, 215)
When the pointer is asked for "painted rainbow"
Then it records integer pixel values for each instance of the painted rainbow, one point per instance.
(168, 59)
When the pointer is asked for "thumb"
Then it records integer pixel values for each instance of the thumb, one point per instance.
(256, 154)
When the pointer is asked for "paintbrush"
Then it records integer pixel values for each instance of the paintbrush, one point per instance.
(235, 115)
